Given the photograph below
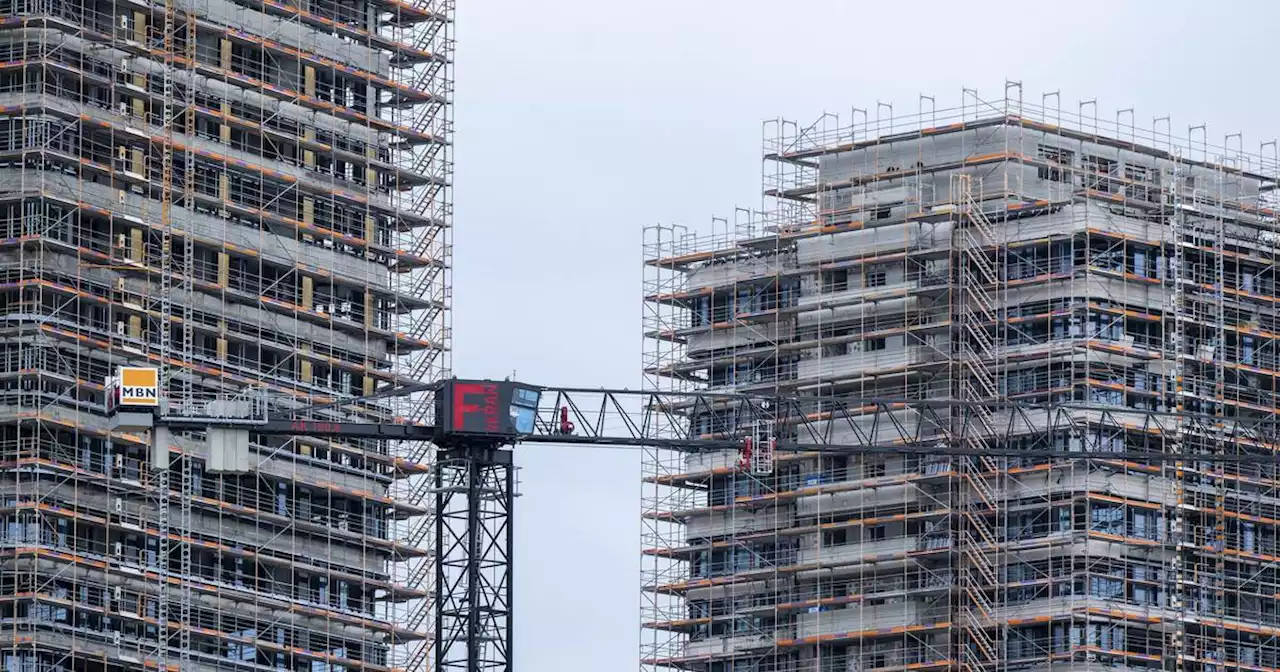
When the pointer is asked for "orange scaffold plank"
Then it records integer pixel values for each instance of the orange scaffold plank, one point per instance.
(796, 493)
(240, 509)
(219, 634)
(396, 591)
(323, 318)
(402, 465)
(404, 259)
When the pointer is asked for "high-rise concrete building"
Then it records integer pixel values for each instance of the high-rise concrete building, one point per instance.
(248, 194)
(1023, 262)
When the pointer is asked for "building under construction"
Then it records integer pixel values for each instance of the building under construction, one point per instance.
(247, 194)
(1009, 256)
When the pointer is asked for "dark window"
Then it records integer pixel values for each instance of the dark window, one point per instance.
(1142, 186)
(1059, 160)
(1097, 169)
(836, 280)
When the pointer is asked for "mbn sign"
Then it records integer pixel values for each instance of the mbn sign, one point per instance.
(139, 386)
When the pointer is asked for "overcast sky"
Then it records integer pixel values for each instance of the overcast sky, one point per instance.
(579, 122)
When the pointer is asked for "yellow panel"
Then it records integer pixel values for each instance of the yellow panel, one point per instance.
(224, 186)
(140, 108)
(135, 244)
(224, 269)
(309, 80)
(308, 156)
(308, 216)
(222, 349)
(304, 373)
(135, 163)
(308, 291)
(370, 385)
(224, 130)
(368, 310)
(371, 175)
(139, 27)
(135, 326)
(224, 53)
(370, 230)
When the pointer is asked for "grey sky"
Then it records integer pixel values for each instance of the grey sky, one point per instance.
(581, 121)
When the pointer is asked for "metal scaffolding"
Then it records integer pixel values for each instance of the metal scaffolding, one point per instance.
(246, 194)
(999, 252)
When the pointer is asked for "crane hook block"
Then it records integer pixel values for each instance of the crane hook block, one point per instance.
(566, 425)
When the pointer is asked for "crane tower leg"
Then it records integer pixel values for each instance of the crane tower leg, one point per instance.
(475, 490)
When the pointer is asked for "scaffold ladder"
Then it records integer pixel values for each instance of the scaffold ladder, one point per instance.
(976, 312)
(1174, 472)
(159, 464)
(190, 488)
(1219, 578)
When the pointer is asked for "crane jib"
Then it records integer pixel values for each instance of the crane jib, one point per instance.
(369, 430)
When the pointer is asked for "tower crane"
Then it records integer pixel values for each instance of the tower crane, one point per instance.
(478, 423)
